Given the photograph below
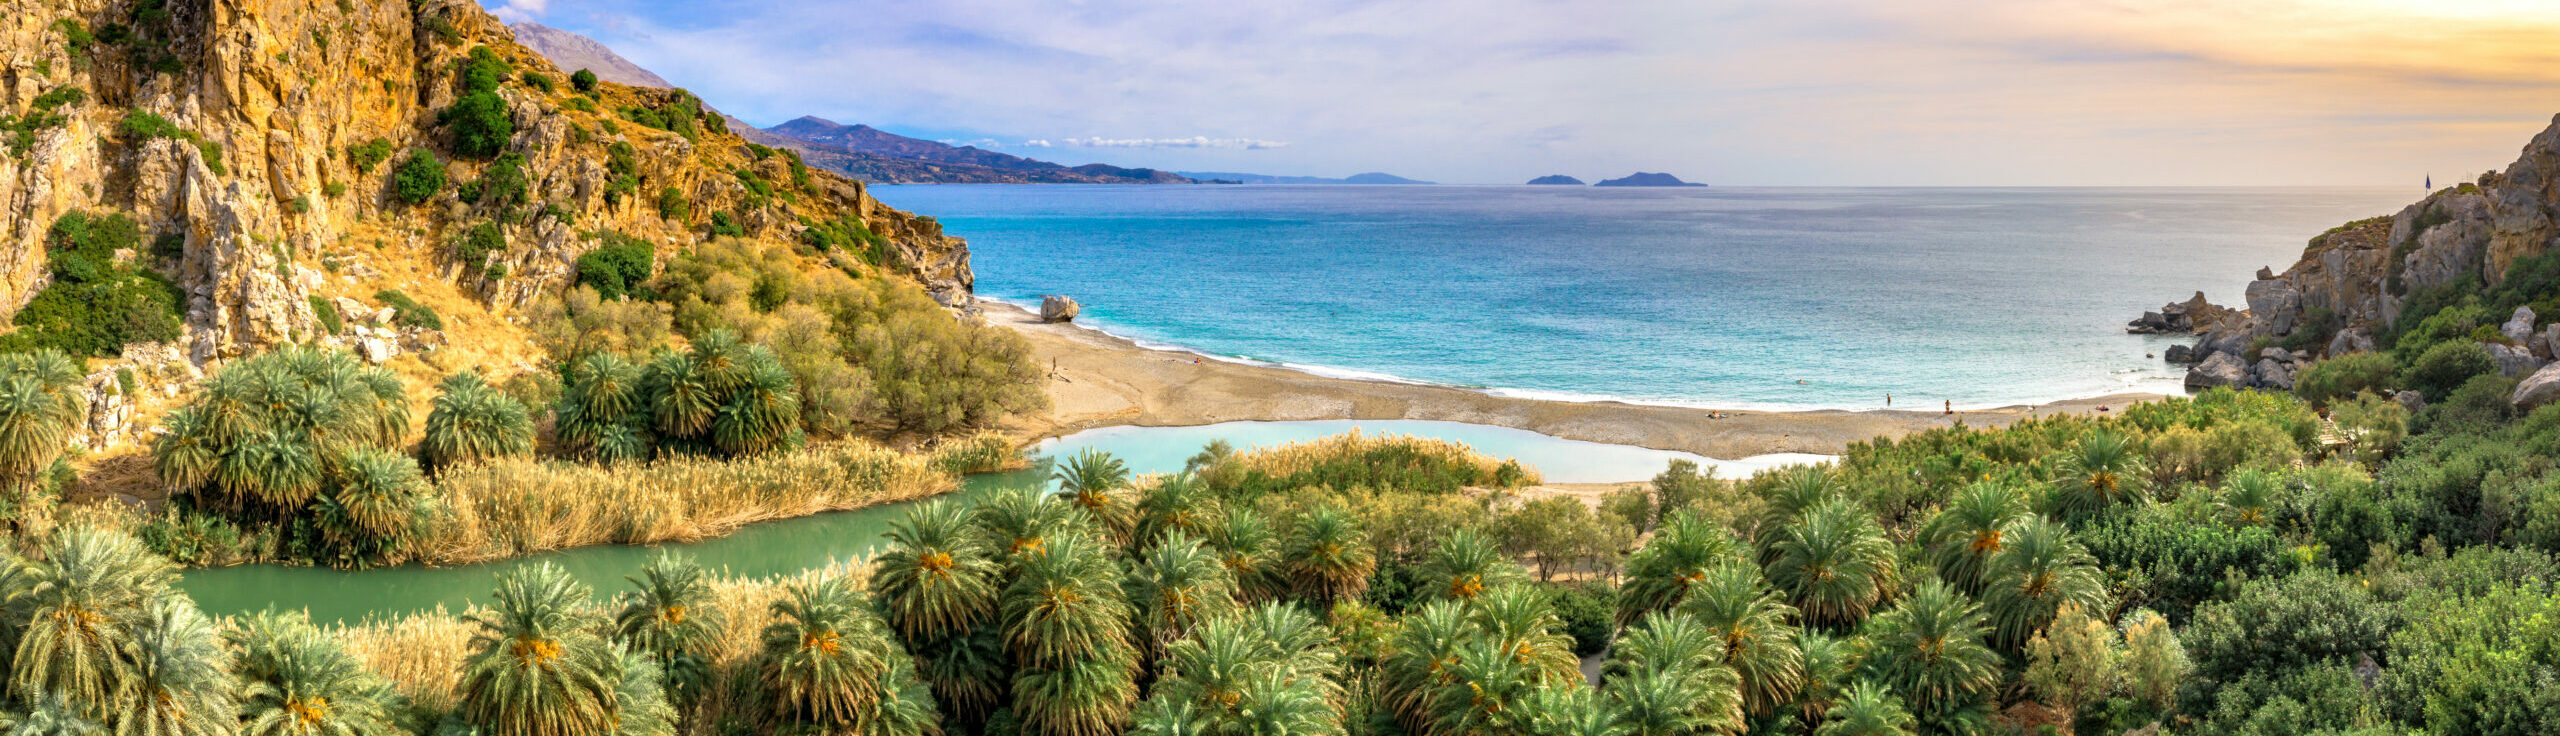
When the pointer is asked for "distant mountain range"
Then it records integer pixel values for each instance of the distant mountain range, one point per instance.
(1374, 177)
(1555, 180)
(1644, 179)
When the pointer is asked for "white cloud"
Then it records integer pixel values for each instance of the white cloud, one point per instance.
(1035, 143)
(521, 10)
(1196, 141)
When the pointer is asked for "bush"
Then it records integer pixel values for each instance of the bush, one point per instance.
(2280, 625)
(502, 186)
(539, 81)
(420, 178)
(618, 267)
(364, 156)
(581, 322)
(1587, 612)
(722, 399)
(2481, 664)
(94, 305)
(725, 225)
(2344, 376)
(327, 311)
(408, 312)
(2446, 366)
(2170, 563)
(479, 242)
(472, 421)
(583, 81)
(672, 205)
(481, 125)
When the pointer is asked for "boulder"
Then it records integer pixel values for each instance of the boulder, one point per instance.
(2547, 345)
(2411, 400)
(2195, 315)
(1054, 308)
(2276, 354)
(2220, 369)
(2179, 354)
(376, 350)
(2272, 373)
(2350, 340)
(2519, 327)
(2542, 387)
(2513, 361)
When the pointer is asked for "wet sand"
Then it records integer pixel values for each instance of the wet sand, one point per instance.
(1099, 380)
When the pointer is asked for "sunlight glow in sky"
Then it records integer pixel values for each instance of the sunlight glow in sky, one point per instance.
(1886, 92)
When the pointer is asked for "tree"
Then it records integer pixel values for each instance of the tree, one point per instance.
(482, 126)
(472, 421)
(1736, 605)
(1327, 556)
(1097, 481)
(1964, 536)
(2042, 570)
(723, 398)
(297, 681)
(540, 671)
(1464, 565)
(1245, 546)
(1176, 586)
(829, 664)
(1930, 648)
(583, 80)
(1668, 678)
(420, 177)
(669, 617)
(179, 685)
(2154, 663)
(2100, 473)
(74, 615)
(1661, 574)
(40, 405)
(1870, 710)
(1066, 626)
(2072, 662)
(935, 584)
(1834, 563)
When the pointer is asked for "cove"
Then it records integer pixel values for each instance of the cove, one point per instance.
(792, 545)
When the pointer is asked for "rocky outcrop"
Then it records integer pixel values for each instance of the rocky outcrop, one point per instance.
(2220, 369)
(2541, 388)
(1054, 308)
(271, 99)
(2193, 316)
(2352, 281)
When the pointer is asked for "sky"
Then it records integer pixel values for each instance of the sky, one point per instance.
(1801, 92)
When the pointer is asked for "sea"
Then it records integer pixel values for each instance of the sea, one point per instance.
(1726, 297)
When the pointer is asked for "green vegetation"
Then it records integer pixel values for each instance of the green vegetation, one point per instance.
(408, 312)
(420, 178)
(620, 266)
(331, 322)
(583, 81)
(43, 113)
(482, 126)
(364, 156)
(298, 442)
(538, 81)
(848, 233)
(479, 242)
(96, 303)
(672, 204)
(472, 422)
(723, 398)
(682, 114)
(141, 126)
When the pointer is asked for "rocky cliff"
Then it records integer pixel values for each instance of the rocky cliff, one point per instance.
(262, 139)
(2352, 282)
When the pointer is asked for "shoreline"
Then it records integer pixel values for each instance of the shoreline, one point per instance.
(1098, 379)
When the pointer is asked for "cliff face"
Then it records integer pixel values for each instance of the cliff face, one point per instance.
(2356, 278)
(270, 99)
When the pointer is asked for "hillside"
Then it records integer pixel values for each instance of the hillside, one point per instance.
(290, 162)
(572, 52)
(872, 154)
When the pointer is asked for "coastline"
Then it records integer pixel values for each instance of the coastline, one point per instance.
(1100, 380)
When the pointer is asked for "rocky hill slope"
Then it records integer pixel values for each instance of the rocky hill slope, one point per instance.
(2362, 280)
(289, 161)
(872, 154)
(572, 52)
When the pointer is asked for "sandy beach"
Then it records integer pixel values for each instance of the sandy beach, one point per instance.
(1101, 380)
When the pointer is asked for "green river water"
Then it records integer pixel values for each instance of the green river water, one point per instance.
(793, 545)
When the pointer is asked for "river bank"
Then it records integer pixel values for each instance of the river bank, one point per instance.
(1099, 380)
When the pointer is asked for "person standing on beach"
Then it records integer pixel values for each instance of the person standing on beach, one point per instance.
(1888, 401)
(1951, 407)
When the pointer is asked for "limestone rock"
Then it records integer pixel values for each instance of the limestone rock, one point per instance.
(2520, 326)
(2219, 369)
(2194, 315)
(2411, 400)
(2272, 373)
(2512, 360)
(1054, 308)
(2547, 344)
(2540, 388)
(2349, 341)
(2178, 354)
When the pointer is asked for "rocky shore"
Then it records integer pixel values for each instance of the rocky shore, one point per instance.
(1099, 380)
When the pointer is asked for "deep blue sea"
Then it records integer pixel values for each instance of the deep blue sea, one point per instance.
(1726, 297)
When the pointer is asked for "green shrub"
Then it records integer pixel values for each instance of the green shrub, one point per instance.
(847, 232)
(672, 205)
(2480, 664)
(724, 224)
(2169, 562)
(481, 124)
(2278, 625)
(618, 267)
(327, 311)
(94, 305)
(408, 312)
(2446, 366)
(583, 81)
(480, 241)
(235, 452)
(2342, 377)
(724, 398)
(538, 80)
(624, 168)
(472, 421)
(502, 185)
(421, 177)
(365, 155)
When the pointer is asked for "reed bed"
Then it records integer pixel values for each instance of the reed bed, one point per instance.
(1353, 456)
(514, 507)
(421, 655)
(984, 452)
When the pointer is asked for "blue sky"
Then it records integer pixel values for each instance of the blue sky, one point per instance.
(1810, 92)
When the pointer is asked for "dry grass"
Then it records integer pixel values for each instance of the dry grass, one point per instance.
(515, 507)
(1356, 447)
(420, 655)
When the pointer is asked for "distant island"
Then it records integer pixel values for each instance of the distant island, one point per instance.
(1555, 180)
(1373, 177)
(1644, 179)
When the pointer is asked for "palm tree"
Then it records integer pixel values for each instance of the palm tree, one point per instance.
(1733, 602)
(297, 681)
(599, 413)
(1020, 523)
(377, 500)
(1869, 710)
(539, 670)
(1066, 624)
(179, 684)
(51, 716)
(1834, 563)
(1298, 641)
(1660, 575)
(2248, 495)
(40, 405)
(1668, 678)
(1930, 648)
(641, 699)
(1268, 671)
(1798, 489)
(472, 421)
(2041, 570)
(81, 608)
(1522, 622)
(1178, 503)
(2103, 471)
(1963, 537)
(1829, 665)
(1095, 481)
(1487, 692)
(668, 616)
(1465, 564)
(828, 663)
(936, 577)
(1573, 712)
(1328, 556)
(1418, 664)
(1245, 546)
(1175, 587)
(1214, 465)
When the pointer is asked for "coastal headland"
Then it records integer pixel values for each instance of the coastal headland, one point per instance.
(1099, 380)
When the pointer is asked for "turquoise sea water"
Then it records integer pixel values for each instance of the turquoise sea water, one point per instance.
(1729, 297)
